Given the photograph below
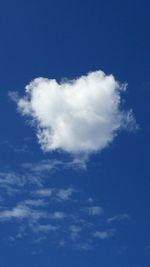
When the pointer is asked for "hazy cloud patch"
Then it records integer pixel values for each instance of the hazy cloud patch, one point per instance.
(120, 217)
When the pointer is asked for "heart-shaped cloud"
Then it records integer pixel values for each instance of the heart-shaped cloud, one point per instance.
(78, 116)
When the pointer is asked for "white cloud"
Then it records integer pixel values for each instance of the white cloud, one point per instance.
(94, 210)
(57, 215)
(42, 212)
(45, 192)
(120, 217)
(44, 228)
(42, 166)
(79, 116)
(15, 182)
(55, 194)
(74, 232)
(64, 194)
(35, 203)
(103, 234)
(22, 210)
(17, 212)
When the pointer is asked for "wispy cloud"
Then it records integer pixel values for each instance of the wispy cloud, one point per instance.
(35, 202)
(15, 182)
(94, 210)
(20, 146)
(120, 217)
(55, 194)
(18, 212)
(44, 192)
(21, 211)
(46, 212)
(74, 232)
(104, 234)
(42, 166)
(64, 194)
(62, 214)
(48, 165)
(57, 215)
(44, 228)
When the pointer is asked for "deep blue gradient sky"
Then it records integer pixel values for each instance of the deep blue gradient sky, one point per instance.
(58, 39)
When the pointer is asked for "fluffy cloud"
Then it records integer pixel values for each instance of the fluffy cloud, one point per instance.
(78, 116)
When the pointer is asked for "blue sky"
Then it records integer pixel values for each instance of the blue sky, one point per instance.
(78, 194)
